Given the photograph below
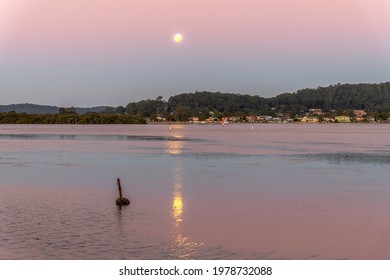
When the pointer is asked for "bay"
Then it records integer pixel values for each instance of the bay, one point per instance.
(283, 191)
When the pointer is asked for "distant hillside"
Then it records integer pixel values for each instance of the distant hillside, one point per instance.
(47, 109)
(373, 98)
(29, 108)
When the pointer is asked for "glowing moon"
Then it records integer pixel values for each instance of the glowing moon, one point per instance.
(178, 38)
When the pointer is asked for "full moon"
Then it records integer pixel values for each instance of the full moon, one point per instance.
(178, 38)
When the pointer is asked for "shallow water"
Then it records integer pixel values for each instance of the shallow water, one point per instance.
(197, 192)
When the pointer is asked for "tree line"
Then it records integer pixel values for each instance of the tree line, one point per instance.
(337, 99)
(373, 98)
(89, 118)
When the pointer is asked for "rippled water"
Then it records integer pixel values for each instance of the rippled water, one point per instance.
(197, 192)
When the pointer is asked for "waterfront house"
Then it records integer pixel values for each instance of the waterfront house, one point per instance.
(343, 119)
(310, 119)
(359, 113)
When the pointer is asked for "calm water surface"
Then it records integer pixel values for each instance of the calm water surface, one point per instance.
(197, 192)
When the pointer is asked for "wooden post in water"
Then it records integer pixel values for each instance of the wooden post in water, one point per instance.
(118, 182)
(121, 200)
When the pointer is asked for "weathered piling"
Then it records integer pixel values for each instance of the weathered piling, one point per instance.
(121, 200)
(118, 182)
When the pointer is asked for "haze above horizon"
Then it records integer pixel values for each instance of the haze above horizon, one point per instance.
(89, 53)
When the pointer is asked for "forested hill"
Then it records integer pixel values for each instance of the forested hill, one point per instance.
(369, 97)
(374, 98)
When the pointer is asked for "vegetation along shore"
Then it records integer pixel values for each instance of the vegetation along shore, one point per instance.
(340, 103)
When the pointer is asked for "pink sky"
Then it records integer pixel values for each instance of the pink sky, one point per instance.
(236, 32)
(47, 23)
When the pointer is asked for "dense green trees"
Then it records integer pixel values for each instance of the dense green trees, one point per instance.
(90, 118)
(374, 98)
(370, 97)
(147, 108)
(199, 103)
